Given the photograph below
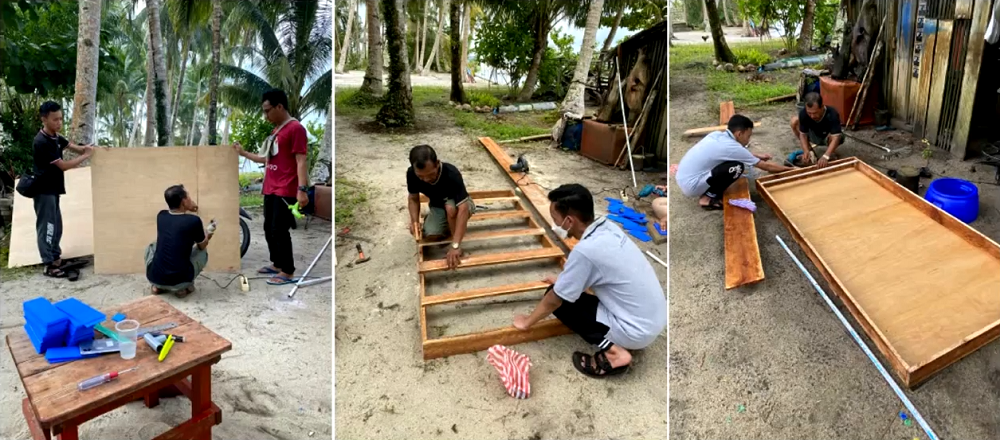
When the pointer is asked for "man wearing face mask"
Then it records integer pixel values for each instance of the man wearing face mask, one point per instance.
(718, 160)
(627, 310)
(450, 204)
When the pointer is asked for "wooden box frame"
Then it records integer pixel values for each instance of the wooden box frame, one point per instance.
(473, 342)
(911, 376)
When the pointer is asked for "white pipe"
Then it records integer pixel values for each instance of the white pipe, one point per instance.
(621, 100)
(657, 259)
(885, 374)
(304, 275)
(315, 281)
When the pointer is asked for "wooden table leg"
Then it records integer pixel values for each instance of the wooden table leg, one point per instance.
(152, 399)
(201, 397)
(34, 427)
(69, 432)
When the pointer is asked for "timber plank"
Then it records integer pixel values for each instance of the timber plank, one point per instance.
(928, 71)
(476, 195)
(743, 264)
(471, 343)
(922, 311)
(485, 292)
(970, 80)
(706, 130)
(726, 111)
(491, 259)
(490, 235)
(942, 53)
(498, 215)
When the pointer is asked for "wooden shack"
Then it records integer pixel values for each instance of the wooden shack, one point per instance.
(939, 79)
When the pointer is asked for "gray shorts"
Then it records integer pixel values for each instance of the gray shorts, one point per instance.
(436, 222)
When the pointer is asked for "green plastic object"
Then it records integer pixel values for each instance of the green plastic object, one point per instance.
(107, 332)
(295, 210)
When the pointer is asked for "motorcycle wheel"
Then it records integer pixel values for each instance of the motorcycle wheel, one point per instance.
(244, 237)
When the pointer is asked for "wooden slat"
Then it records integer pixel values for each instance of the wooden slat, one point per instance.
(485, 292)
(927, 73)
(476, 195)
(771, 177)
(471, 343)
(498, 215)
(491, 235)
(743, 265)
(534, 193)
(726, 111)
(809, 172)
(706, 130)
(973, 62)
(488, 200)
(491, 259)
(942, 53)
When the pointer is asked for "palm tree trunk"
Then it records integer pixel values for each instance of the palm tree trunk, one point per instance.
(150, 139)
(422, 37)
(134, 134)
(722, 52)
(808, 24)
(614, 28)
(88, 45)
(322, 169)
(457, 91)
(180, 82)
(194, 115)
(160, 87)
(352, 7)
(213, 85)
(437, 36)
(372, 85)
(203, 139)
(704, 16)
(542, 27)
(397, 110)
(573, 102)
(225, 130)
(466, 27)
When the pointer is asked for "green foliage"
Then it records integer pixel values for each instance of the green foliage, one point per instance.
(686, 56)
(505, 42)
(692, 13)
(19, 124)
(478, 98)
(247, 179)
(750, 55)
(556, 71)
(315, 131)
(826, 18)
(734, 87)
(786, 12)
(350, 196)
(514, 125)
(250, 130)
(251, 200)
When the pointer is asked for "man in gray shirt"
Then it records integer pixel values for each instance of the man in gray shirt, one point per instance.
(628, 309)
(714, 163)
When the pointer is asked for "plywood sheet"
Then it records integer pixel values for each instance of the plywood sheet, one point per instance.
(128, 186)
(78, 223)
(925, 286)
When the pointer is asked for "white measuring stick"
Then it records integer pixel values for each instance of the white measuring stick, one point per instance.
(621, 100)
(871, 356)
(657, 259)
(304, 275)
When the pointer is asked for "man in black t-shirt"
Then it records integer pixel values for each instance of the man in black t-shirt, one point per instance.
(178, 255)
(820, 125)
(49, 184)
(449, 202)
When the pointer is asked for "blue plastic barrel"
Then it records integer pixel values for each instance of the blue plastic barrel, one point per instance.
(957, 197)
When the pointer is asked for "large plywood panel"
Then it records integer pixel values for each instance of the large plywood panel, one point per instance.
(128, 186)
(925, 287)
(78, 223)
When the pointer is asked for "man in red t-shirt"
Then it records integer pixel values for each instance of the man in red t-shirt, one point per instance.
(286, 180)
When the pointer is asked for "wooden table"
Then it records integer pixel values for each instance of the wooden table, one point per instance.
(55, 408)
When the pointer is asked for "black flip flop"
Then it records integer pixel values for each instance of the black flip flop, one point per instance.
(713, 205)
(54, 272)
(73, 274)
(603, 367)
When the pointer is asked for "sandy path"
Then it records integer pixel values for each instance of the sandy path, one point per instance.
(385, 389)
(274, 384)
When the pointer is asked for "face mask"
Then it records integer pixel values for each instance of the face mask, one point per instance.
(560, 231)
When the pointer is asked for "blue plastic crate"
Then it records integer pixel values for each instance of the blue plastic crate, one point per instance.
(80, 313)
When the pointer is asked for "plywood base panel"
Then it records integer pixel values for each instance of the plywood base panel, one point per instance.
(925, 287)
(78, 222)
(128, 186)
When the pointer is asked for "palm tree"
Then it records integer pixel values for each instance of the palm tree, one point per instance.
(213, 85)
(397, 109)
(150, 138)
(457, 92)
(294, 56)
(466, 28)
(159, 71)
(722, 52)
(620, 12)
(808, 24)
(372, 85)
(352, 6)
(87, 55)
(573, 102)
(437, 37)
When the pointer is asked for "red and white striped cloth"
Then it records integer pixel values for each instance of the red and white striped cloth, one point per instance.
(513, 368)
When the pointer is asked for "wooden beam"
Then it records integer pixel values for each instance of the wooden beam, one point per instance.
(498, 215)
(485, 292)
(490, 235)
(537, 137)
(534, 193)
(476, 195)
(970, 81)
(942, 53)
(726, 111)
(471, 343)
(492, 259)
(743, 265)
(487, 200)
(706, 130)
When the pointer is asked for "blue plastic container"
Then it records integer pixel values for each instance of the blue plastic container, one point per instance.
(80, 313)
(957, 197)
(46, 325)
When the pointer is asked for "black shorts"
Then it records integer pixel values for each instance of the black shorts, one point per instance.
(581, 317)
(723, 175)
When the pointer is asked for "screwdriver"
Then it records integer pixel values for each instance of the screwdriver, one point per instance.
(102, 379)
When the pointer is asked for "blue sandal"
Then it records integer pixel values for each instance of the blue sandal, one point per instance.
(284, 280)
(267, 270)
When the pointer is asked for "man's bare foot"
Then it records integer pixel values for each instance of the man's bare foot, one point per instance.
(619, 357)
(184, 293)
(709, 204)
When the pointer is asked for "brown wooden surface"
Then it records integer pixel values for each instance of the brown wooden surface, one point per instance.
(726, 111)
(484, 292)
(489, 235)
(478, 195)
(942, 53)
(743, 265)
(491, 259)
(497, 215)
(970, 80)
(471, 343)
(922, 284)
(52, 390)
(535, 194)
(78, 234)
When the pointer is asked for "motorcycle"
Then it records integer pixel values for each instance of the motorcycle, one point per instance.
(244, 232)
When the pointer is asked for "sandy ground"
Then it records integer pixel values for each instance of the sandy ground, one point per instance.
(354, 78)
(733, 35)
(273, 385)
(386, 390)
(775, 348)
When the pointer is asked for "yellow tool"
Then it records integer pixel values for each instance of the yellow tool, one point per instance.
(166, 347)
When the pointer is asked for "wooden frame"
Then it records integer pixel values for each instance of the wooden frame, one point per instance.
(473, 342)
(925, 315)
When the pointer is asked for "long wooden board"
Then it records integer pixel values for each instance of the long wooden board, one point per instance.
(78, 222)
(128, 186)
(743, 265)
(942, 53)
(924, 286)
(970, 79)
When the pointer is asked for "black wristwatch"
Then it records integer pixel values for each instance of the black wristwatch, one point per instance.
(304, 188)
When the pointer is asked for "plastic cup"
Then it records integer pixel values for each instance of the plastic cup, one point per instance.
(128, 330)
